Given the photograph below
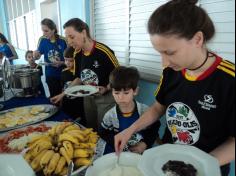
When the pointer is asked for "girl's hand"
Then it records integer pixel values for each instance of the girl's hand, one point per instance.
(122, 139)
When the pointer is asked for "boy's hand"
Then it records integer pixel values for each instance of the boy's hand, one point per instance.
(57, 98)
(102, 90)
(139, 148)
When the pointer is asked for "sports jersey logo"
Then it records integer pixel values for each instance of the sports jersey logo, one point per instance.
(53, 56)
(89, 77)
(208, 99)
(96, 64)
(183, 124)
(207, 102)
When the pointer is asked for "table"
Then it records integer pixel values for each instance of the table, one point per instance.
(59, 116)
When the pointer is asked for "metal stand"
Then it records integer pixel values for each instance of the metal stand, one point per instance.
(6, 72)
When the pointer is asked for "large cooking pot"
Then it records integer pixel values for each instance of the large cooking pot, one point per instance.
(16, 70)
(25, 78)
(1, 87)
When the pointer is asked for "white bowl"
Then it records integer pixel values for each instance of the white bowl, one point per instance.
(109, 161)
(14, 165)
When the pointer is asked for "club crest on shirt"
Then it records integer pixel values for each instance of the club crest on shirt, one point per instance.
(207, 103)
(96, 64)
(89, 77)
(182, 123)
(53, 55)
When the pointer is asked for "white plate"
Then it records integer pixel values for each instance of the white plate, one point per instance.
(153, 160)
(14, 165)
(110, 160)
(74, 91)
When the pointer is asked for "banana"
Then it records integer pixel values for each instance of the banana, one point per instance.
(64, 171)
(69, 148)
(61, 127)
(93, 139)
(71, 127)
(35, 164)
(68, 137)
(61, 163)
(36, 141)
(52, 131)
(77, 134)
(28, 157)
(40, 147)
(82, 162)
(46, 158)
(87, 131)
(81, 153)
(64, 153)
(85, 146)
(52, 164)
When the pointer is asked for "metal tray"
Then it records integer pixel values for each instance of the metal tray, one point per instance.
(50, 109)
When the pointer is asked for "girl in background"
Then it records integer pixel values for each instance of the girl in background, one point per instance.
(7, 49)
(52, 46)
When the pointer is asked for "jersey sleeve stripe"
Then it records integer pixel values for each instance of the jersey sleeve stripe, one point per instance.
(232, 73)
(229, 66)
(231, 63)
(110, 55)
(159, 87)
(40, 39)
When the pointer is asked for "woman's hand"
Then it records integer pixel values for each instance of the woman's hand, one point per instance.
(57, 63)
(57, 99)
(139, 148)
(122, 139)
(36, 55)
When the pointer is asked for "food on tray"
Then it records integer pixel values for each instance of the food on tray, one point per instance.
(179, 168)
(81, 92)
(15, 141)
(52, 152)
(21, 116)
(37, 109)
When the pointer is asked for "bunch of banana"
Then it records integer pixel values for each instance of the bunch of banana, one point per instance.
(63, 143)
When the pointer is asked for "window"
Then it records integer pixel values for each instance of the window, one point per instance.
(122, 25)
(21, 19)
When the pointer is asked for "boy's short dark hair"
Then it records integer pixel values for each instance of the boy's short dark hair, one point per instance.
(69, 52)
(28, 52)
(124, 78)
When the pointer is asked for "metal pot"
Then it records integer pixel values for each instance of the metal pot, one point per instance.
(1, 87)
(16, 71)
(26, 79)
(29, 78)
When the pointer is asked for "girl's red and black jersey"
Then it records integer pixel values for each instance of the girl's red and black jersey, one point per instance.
(200, 111)
(95, 67)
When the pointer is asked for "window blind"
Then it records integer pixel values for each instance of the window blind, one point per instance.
(141, 53)
(222, 12)
(110, 26)
(122, 25)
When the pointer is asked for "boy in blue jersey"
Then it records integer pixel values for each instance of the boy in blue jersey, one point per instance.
(124, 85)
